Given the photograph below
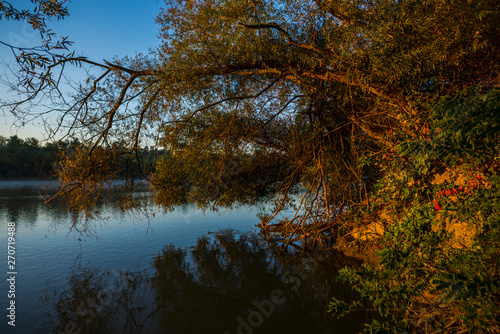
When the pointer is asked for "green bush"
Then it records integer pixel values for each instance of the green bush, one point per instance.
(426, 281)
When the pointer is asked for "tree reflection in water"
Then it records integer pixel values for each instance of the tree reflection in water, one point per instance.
(226, 283)
(100, 302)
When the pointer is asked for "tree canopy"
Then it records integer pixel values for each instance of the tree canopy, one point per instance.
(258, 98)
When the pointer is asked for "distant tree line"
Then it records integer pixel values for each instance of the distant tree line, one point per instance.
(28, 158)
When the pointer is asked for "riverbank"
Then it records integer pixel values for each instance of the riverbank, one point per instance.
(28, 183)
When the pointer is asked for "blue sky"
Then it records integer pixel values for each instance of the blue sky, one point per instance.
(99, 29)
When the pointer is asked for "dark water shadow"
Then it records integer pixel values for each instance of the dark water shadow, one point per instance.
(226, 283)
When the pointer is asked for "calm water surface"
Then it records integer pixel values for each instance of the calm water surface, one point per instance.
(179, 272)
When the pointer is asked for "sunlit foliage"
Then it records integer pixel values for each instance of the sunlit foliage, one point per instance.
(439, 266)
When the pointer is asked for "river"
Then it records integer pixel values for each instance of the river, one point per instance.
(184, 271)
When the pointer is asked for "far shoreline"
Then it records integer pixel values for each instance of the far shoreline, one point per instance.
(28, 183)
